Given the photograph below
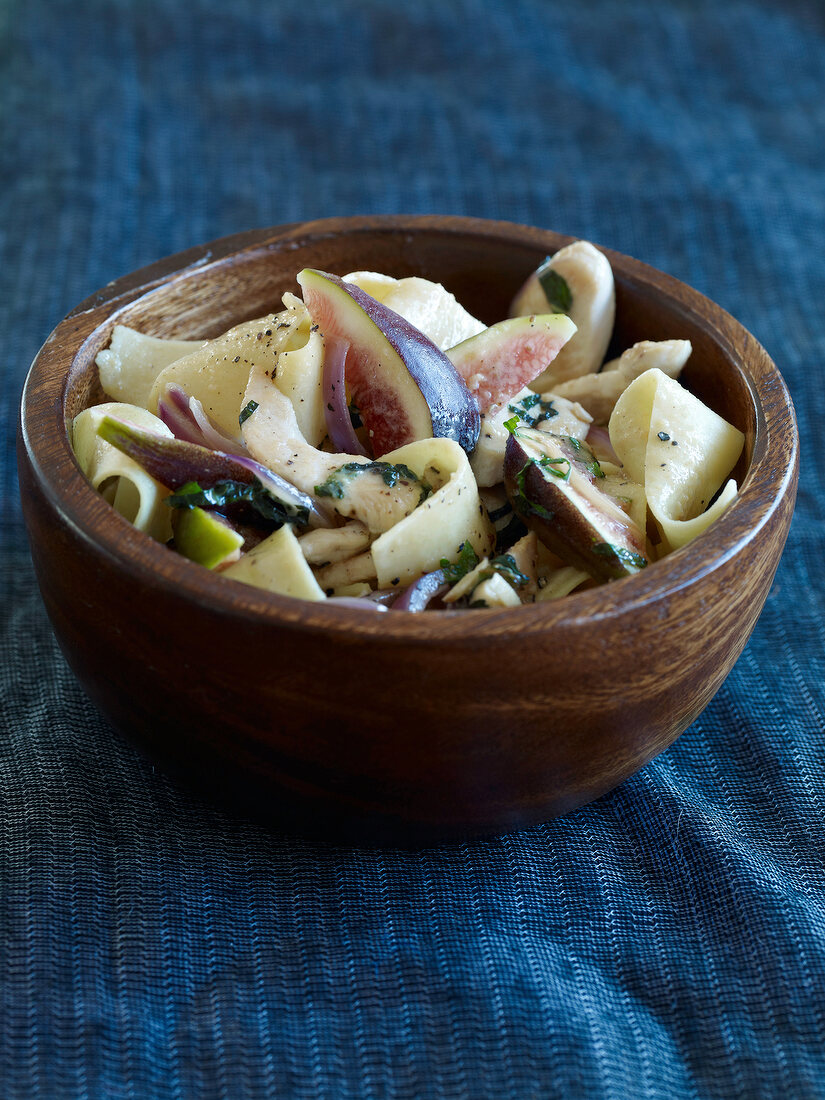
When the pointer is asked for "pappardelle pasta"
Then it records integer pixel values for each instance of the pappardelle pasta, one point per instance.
(375, 444)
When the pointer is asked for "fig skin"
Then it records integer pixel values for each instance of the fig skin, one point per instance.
(556, 494)
(405, 387)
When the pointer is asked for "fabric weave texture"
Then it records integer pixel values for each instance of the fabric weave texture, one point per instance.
(667, 940)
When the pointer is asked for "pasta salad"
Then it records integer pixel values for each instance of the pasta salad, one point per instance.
(373, 443)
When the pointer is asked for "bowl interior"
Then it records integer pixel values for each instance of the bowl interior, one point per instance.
(483, 269)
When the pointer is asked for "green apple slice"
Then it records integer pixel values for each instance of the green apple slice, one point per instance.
(205, 537)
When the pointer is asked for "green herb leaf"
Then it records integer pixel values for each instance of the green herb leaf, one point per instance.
(466, 562)
(247, 411)
(629, 557)
(505, 565)
(332, 487)
(555, 287)
(511, 425)
(390, 474)
(549, 465)
(226, 493)
(525, 505)
(524, 410)
(584, 456)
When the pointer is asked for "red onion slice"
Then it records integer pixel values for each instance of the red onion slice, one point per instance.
(175, 417)
(421, 592)
(386, 596)
(339, 423)
(600, 437)
(212, 435)
(187, 419)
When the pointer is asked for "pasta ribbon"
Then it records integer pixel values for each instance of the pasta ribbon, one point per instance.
(122, 481)
(298, 375)
(440, 524)
(679, 450)
(131, 363)
(217, 373)
(277, 565)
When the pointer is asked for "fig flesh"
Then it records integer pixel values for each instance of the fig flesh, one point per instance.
(500, 361)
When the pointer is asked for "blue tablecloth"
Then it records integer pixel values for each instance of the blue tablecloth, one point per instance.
(667, 940)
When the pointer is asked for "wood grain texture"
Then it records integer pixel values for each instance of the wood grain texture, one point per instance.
(398, 726)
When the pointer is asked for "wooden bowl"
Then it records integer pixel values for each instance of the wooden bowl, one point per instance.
(397, 726)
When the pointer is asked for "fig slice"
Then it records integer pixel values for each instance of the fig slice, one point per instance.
(504, 358)
(405, 388)
(174, 462)
(552, 483)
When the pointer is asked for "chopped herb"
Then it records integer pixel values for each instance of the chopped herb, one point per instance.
(246, 412)
(465, 563)
(511, 425)
(527, 506)
(524, 410)
(390, 474)
(226, 493)
(555, 287)
(505, 565)
(332, 487)
(547, 463)
(629, 557)
(664, 436)
(584, 456)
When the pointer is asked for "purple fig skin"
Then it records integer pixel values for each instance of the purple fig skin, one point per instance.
(572, 517)
(386, 352)
(174, 462)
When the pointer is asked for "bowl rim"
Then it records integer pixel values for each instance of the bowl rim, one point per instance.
(44, 436)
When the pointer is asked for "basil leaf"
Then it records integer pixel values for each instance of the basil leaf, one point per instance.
(584, 456)
(247, 411)
(390, 474)
(467, 560)
(226, 493)
(629, 557)
(524, 410)
(555, 287)
(505, 565)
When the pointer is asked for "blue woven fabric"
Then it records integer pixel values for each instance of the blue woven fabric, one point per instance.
(667, 940)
